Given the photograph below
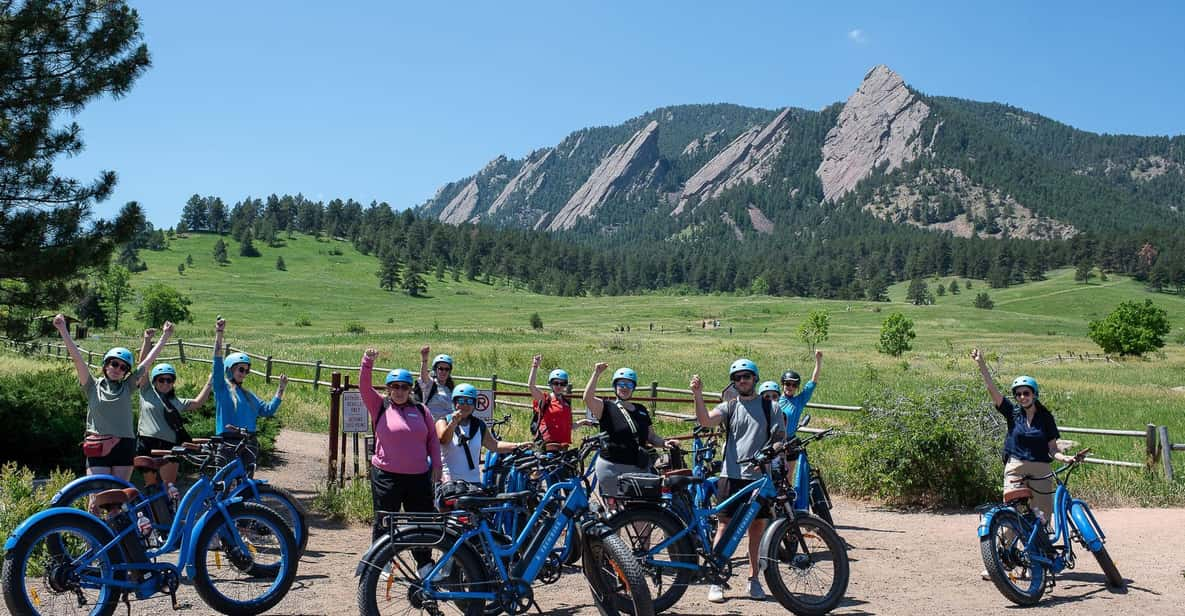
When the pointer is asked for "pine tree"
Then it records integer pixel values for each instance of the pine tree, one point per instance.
(413, 282)
(247, 245)
(220, 256)
(919, 293)
(389, 271)
(280, 264)
(954, 287)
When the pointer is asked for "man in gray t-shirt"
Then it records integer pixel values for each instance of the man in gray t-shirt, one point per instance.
(748, 424)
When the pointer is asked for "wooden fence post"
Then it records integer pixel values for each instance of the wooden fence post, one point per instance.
(654, 394)
(341, 475)
(334, 412)
(1150, 446)
(181, 350)
(494, 386)
(90, 358)
(1166, 452)
(267, 375)
(317, 375)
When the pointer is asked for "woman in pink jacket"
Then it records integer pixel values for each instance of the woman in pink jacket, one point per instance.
(401, 476)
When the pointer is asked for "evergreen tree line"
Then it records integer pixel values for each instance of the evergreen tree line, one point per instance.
(824, 251)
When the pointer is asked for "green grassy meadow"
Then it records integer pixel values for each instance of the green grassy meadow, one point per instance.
(485, 327)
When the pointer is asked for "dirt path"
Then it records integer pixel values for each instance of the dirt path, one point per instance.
(901, 563)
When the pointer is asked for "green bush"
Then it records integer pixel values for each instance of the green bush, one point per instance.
(18, 497)
(304, 321)
(536, 321)
(1133, 328)
(896, 332)
(352, 503)
(354, 327)
(44, 417)
(937, 447)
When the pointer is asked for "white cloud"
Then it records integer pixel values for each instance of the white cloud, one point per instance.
(858, 36)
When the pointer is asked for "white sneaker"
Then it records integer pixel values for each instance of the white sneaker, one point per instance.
(755, 589)
(715, 593)
(984, 574)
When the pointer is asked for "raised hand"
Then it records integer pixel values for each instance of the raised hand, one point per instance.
(697, 385)
(536, 361)
(59, 322)
(149, 333)
(283, 381)
(976, 356)
(371, 354)
(818, 354)
(168, 329)
(220, 325)
(600, 367)
(425, 350)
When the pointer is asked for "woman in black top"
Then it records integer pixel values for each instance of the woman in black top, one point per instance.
(628, 425)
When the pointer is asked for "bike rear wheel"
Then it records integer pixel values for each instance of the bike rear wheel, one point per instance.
(392, 583)
(806, 565)
(1005, 557)
(38, 577)
(284, 503)
(615, 578)
(642, 529)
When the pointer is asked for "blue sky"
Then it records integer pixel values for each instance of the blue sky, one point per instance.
(387, 101)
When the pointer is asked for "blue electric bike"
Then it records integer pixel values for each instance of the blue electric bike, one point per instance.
(239, 555)
(1022, 556)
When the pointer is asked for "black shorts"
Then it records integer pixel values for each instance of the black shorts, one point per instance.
(120, 455)
(728, 486)
(145, 445)
(399, 492)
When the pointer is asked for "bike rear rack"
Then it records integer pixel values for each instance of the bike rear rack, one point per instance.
(436, 525)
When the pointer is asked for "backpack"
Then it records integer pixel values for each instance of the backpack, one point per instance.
(538, 408)
(423, 410)
(418, 395)
(766, 408)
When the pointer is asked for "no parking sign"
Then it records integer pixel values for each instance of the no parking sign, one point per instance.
(485, 405)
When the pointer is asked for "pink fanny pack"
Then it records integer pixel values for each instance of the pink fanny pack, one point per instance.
(98, 445)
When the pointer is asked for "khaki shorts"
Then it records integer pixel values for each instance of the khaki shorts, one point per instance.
(1042, 498)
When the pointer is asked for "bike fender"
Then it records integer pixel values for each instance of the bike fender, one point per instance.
(765, 537)
(1084, 521)
(595, 529)
(80, 483)
(248, 490)
(985, 521)
(212, 513)
(23, 527)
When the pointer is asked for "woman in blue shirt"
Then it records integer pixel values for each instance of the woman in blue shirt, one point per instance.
(234, 405)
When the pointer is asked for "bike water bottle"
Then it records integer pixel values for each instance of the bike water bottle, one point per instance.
(174, 495)
(143, 524)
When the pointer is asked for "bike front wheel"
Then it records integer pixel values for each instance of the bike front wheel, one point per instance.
(616, 579)
(1005, 557)
(644, 528)
(806, 564)
(42, 576)
(244, 566)
(1114, 579)
(284, 503)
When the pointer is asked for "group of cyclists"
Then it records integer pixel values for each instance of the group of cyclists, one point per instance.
(426, 431)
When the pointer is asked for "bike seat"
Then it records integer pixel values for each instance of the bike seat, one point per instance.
(678, 482)
(148, 463)
(115, 498)
(481, 502)
(1017, 493)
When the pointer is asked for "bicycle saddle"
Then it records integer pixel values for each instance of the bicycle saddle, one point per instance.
(114, 498)
(481, 502)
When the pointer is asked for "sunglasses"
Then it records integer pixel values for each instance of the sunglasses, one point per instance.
(444, 368)
(743, 376)
(789, 385)
(118, 364)
(625, 385)
(1024, 392)
(242, 369)
(398, 386)
(559, 383)
(465, 400)
(772, 397)
(167, 380)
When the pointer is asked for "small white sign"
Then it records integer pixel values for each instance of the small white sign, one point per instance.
(485, 405)
(354, 415)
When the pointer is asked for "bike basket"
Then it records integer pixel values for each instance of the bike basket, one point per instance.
(640, 486)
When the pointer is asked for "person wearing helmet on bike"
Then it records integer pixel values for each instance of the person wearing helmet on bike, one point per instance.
(406, 462)
(750, 422)
(234, 405)
(628, 425)
(462, 436)
(1031, 443)
(110, 441)
(160, 425)
(552, 411)
(793, 401)
(435, 388)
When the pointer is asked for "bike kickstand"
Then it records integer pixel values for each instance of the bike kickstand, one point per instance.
(535, 604)
(127, 603)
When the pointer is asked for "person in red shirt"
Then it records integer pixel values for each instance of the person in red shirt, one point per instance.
(553, 410)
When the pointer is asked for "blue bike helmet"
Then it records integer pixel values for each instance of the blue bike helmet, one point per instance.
(398, 375)
(743, 365)
(767, 387)
(1025, 381)
(160, 369)
(557, 375)
(122, 355)
(234, 359)
(442, 359)
(627, 374)
(465, 390)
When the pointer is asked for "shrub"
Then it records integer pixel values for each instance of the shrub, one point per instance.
(44, 417)
(351, 503)
(304, 321)
(280, 264)
(813, 330)
(983, 300)
(354, 327)
(930, 448)
(536, 321)
(896, 332)
(19, 499)
(163, 303)
(1133, 328)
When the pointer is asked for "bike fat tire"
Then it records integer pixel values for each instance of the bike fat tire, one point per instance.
(1114, 579)
(786, 545)
(575, 543)
(371, 580)
(13, 581)
(281, 576)
(615, 578)
(994, 555)
(284, 503)
(667, 584)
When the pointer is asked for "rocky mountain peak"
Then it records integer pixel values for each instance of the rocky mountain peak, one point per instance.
(616, 172)
(879, 123)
